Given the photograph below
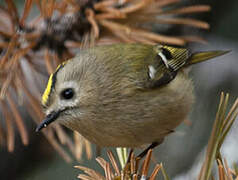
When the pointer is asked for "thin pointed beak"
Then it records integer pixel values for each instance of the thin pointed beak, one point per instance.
(49, 119)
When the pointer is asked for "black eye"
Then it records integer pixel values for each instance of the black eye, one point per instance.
(67, 93)
(167, 54)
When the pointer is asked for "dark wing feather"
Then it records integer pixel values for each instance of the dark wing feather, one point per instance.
(176, 59)
(179, 57)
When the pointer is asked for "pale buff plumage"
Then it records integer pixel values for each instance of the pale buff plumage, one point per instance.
(115, 102)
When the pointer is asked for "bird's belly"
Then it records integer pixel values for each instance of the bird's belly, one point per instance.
(139, 131)
(140, 119)
(133, 126)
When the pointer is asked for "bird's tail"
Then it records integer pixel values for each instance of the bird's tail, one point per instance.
(203, 56)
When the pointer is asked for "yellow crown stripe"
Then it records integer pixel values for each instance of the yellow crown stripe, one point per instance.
(46, 94)
(59, 66)
(50, 84)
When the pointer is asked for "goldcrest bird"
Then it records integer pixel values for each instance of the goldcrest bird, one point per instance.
(123, 95)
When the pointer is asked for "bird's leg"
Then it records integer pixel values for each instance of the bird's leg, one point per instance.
(152, 146)
(98, 150)
(129, 156)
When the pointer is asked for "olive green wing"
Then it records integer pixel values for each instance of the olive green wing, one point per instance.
(167, 62)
